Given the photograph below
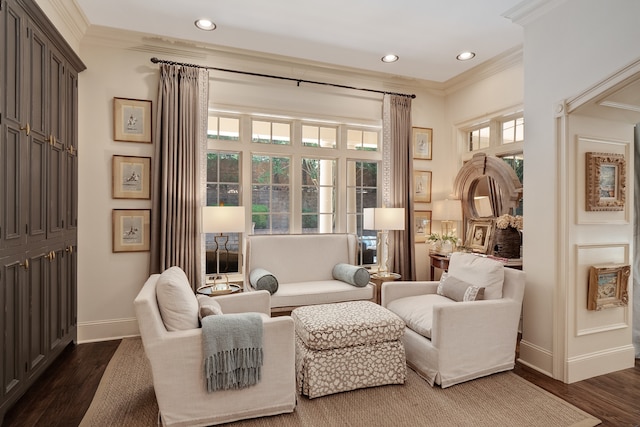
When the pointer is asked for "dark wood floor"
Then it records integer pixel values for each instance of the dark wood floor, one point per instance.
(63, 394)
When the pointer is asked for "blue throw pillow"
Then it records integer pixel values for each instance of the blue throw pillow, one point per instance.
(351, 274)
(262, 279)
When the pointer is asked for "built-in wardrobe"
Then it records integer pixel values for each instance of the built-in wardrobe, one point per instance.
(38, 195)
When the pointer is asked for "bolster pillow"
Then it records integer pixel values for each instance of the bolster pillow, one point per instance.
(262, 279)
(351, 274)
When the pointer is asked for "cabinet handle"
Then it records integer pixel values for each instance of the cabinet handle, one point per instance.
(52, 140)
(69, 249)
(25, 264)
(50, 256)
(26, 128)
(70, 149)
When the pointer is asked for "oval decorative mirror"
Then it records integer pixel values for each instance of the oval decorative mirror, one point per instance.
(487, 188)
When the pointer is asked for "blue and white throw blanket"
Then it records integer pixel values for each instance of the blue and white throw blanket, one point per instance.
(232, 346)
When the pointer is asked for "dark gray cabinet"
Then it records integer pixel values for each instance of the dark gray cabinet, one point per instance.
(38, 195)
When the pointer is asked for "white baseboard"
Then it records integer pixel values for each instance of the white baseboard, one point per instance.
(599, 363)
(106, 330)
(536, 358)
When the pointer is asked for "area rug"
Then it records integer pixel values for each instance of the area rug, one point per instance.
(125, 397)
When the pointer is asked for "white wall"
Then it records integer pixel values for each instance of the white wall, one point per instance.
(567, 50)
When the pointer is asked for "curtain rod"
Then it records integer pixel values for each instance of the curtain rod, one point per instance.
(298, 81)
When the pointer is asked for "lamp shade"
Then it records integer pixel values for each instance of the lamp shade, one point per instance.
(222, 219)
(447, 210)
(383, 218)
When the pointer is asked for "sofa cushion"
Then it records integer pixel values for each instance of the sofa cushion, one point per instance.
(459, 290)
(351, 274)
(208, 307)
(417, 311)
(262, 279)
(318, 292)
(176, 300)
(478, 271)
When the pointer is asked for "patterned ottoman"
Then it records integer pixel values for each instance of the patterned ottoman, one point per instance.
(346, 346)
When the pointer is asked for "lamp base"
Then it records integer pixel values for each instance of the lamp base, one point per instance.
(383, 253)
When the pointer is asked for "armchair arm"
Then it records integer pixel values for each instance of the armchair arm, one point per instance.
(473, 328)
(257, 301)
(394, 290)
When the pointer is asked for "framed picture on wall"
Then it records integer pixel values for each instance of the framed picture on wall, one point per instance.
(131, 176)
(479, 235)
(605, 182)
(132, 120)
(422, 142)
(608, 286)
(131, 230)
(422, 225)
(422, 186)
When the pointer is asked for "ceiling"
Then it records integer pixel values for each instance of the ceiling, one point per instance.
(426, 34)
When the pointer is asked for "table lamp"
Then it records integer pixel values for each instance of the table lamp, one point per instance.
(383, 220)
(447, 211)
(221, 220)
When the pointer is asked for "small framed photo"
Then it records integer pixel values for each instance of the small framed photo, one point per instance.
(131, 177)
(608, 286)
(132, 120)
(479, 236)
(131, 230)
(605, 182)
(422, 225)
(422, 186)
(422, 142)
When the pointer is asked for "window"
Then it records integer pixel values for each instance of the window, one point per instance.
(513, 131)
(318, 195)
(516, 161)
(298, 176)
(479, 138)
(270, 194)
(223, 128)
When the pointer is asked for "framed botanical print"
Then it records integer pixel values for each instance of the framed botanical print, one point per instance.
(132, 120)
(131, 230)
(131, 177)
(608, 286)
(422, 143)
(422, 186)
(422, 225)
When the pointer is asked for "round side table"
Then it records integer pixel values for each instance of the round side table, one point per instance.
(378, 280)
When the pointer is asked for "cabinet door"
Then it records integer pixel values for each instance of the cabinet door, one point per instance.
(68, 301)
(35, 321)
(11, 279)
(71, 191)
(55, 281)
(56, 208)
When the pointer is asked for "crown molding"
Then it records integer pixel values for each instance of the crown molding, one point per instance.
(528, 11)
(70, 15)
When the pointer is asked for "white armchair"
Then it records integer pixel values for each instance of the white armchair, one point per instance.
(176, 359)
(449, 342)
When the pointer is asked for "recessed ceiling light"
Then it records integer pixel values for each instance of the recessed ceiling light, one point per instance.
(390, 58)
(205, 24)
(465, 56)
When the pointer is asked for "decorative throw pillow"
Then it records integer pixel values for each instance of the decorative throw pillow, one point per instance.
(481, 271)
(351, 274)
(262, 279)
(176, 300)
(442, 279)
(208, 307)
(459, 290)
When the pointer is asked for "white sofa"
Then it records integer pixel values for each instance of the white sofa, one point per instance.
(303, 265)
(176, 359)
(449, 342)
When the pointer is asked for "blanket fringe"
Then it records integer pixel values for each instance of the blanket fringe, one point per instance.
(234, 369)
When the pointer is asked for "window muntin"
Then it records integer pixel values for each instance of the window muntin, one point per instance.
(318, 195)
(319, 136)
(271, 132)
(223, 128)
(270, 194)
(363, 140)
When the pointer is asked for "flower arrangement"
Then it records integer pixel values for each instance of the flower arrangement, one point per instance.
(506, 220)
(441, 238)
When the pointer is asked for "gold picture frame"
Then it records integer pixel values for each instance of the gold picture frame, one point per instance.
(479, 236)
(605, 182)
(422, 186)
(131, 229)
(421, 225)
(608, 286)
(132, 120)
(131, 177)
(422, 143)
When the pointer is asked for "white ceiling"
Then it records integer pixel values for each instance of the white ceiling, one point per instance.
(426, 34)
